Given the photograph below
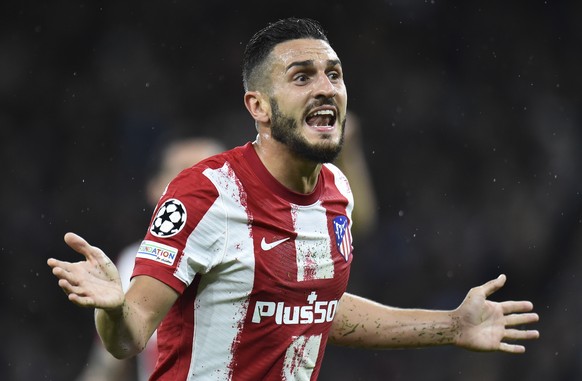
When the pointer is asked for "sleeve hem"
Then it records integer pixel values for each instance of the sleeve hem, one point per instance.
(165, 277)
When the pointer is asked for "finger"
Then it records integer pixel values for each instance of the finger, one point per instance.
(511, 306)
(67, 287)
(511, 348)
(82, 301)
(55, 263)
(494, 285)
(76, 294)
(83, 247)
(518, 319)
(78, 244)
(519, 334)
(63, 273)
(69, 277)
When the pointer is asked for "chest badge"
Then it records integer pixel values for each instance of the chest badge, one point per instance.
(343, 237)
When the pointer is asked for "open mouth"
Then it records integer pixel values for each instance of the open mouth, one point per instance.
(321, 119)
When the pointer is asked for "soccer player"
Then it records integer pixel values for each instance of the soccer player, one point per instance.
(244, 268)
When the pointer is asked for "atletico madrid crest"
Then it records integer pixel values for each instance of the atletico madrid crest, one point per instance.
(343, 237)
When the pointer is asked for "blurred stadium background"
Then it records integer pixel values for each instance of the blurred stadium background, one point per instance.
(471, 127)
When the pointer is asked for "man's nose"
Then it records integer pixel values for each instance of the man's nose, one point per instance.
(324, 87)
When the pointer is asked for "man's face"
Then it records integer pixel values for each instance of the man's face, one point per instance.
(309, 99)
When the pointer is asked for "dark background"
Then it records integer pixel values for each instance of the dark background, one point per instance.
(471, 127)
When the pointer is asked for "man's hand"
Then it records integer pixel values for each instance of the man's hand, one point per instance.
(484, 324)
(93, 282)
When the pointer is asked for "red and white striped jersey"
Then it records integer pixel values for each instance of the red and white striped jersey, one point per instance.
(260, 270)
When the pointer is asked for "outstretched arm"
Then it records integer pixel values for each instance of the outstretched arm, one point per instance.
(124, 322)
(477, 324)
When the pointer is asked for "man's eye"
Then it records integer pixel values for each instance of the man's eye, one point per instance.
(301, 78)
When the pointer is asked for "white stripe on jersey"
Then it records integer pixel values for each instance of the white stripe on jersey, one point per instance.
(342, 184)
(314, 260)
(228, 297)
(300, 358)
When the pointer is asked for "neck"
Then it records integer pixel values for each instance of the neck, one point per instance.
(295, 173)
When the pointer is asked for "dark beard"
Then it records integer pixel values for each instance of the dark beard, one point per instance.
(285, 130)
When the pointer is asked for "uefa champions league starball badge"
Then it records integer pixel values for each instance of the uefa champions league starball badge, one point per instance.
(170, 219)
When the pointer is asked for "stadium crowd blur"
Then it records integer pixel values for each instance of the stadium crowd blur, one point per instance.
(470, 118)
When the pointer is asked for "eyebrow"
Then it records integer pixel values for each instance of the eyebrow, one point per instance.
(330, 63)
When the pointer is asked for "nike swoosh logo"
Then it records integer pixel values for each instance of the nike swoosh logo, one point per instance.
(268, 246)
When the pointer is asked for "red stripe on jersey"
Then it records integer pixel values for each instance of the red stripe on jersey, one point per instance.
(175, 340)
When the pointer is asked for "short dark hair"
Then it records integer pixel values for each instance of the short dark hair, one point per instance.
(262, 43)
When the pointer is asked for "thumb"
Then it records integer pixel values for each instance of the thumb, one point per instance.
(81, 246)
(494, 285)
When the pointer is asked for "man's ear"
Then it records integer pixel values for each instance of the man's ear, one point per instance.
(258, 106)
